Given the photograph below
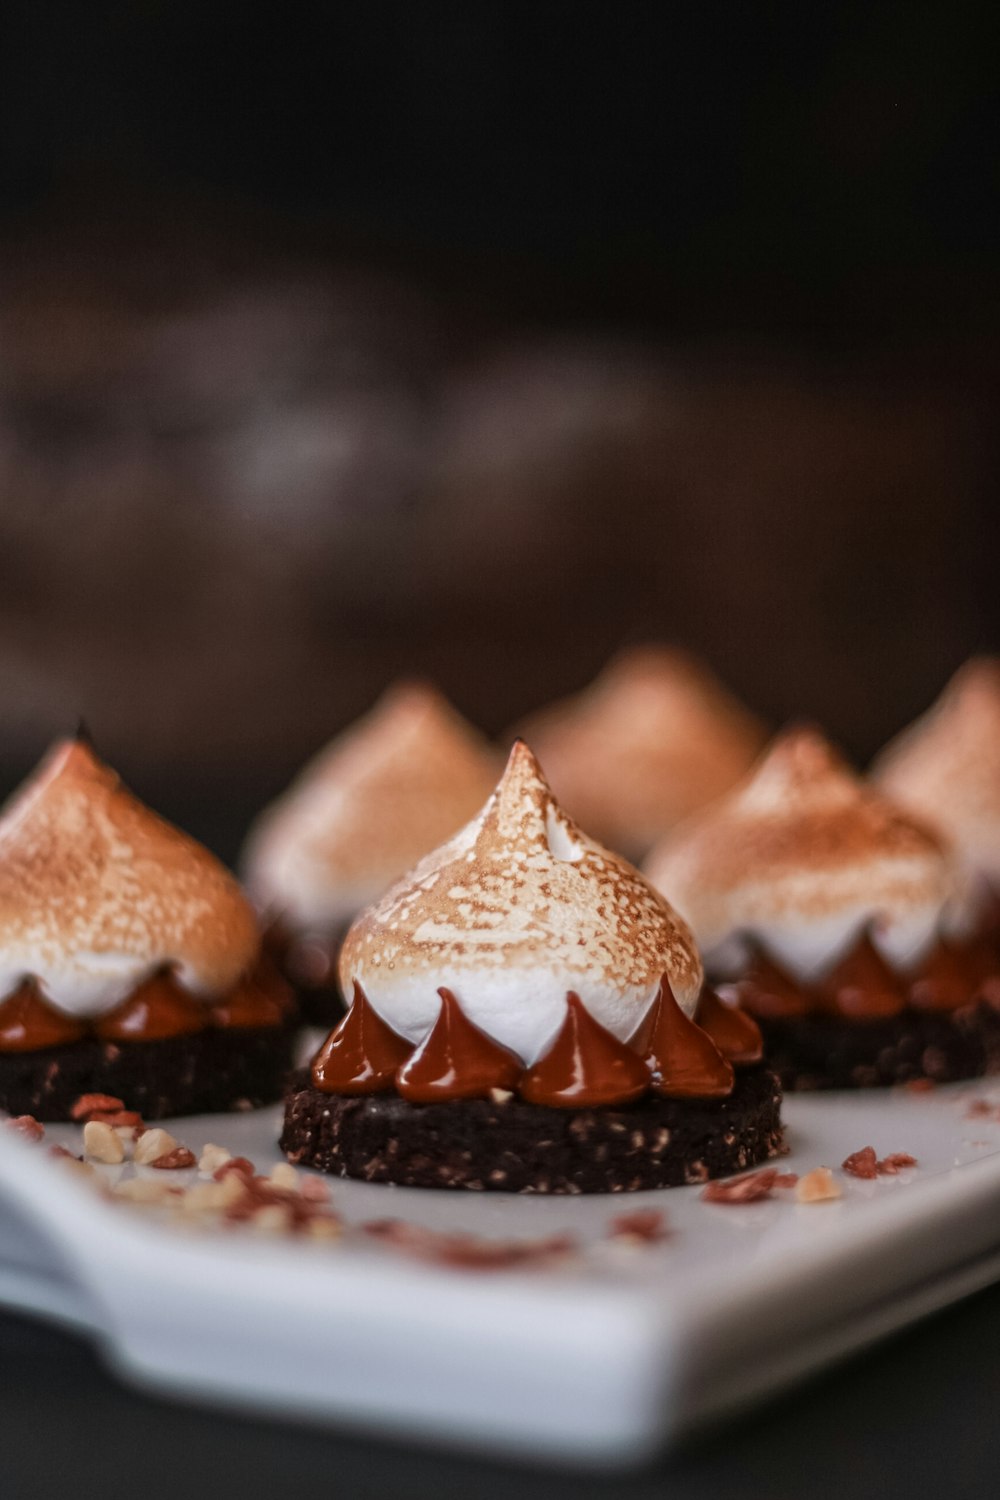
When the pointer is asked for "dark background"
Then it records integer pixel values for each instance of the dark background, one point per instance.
(475, 339)
(344, 340)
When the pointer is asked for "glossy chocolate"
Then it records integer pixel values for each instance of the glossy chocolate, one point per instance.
(948, 978)
(456, 1060)
(158, 1009)
(734, 1031)
(766, 990)
(683, 1059)
(861, 985)
(585, 1066)
(362, 1055)
(28, 1024)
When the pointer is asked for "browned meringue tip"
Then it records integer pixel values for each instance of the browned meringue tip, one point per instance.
(652, 738)
(87, 869)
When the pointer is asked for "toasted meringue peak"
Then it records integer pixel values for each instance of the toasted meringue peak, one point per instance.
(510, 914)
(97, 892)
(946, 766)
(655, 737)
(803, 855)
(383, 793)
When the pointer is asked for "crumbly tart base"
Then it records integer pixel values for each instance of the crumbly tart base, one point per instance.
(826, 1052)
(514, 1147)
(235, 1068)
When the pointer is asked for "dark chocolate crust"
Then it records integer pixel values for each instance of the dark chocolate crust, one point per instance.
(214, 1070)
(822, 1051)
(514, 1147)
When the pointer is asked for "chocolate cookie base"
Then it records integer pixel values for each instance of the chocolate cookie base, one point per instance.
(514, 1147)
(826, 1052)
(232, 1069)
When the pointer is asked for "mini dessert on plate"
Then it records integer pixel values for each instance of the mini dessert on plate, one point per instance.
(130, 961)
(838, 921)
(395, 784)
(522, 1021)
(655, 737)
(946, 769)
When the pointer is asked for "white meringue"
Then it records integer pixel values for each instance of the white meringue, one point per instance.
(803, 856)
(366, 808)
(946, 766)
(97, 893)
(655, 737)
(510, 914)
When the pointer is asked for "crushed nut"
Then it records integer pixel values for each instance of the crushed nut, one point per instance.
(895, 1162)
(151, 1144)
(748, 1189)
(646, 1225)
(274, 1218)
(212, 1157)
(324, 1227)
(240, 1166)
(315, 1190)
(862, 1163)
(26, 1126)
(144, 1190)
(284, 1176)
(174, 1160)
(501, 1096)
(817, 1186)
(101, 1143)
(88, 1104)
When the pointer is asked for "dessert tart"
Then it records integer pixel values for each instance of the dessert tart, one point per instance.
(130, 961)
(838, 921)
(364, 810)
(655, 737)
(946, 769)
(522, 1021)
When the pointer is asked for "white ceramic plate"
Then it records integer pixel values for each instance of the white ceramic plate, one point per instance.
(601, 1359)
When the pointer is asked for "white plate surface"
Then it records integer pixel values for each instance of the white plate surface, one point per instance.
(602, 1359)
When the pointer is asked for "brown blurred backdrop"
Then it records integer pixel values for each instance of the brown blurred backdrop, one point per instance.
(364, 346)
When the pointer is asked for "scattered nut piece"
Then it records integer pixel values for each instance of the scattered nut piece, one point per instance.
(144, 1190)
(324, 1227)
(180, 1157)
(212, 1157)
(151, 1144)
(501, 1096)
(750, 1188)
(275, 1218)
(239, 1166)
(284, 1176)
(862, 1163)
(817, 1186)
(26, 1126)
(315, 1190)
(101, 1143)
(88, 1104)
(895, 1162)
(644, 1226)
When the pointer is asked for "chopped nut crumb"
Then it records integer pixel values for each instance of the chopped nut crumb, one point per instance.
(501, 1096)
(862, 1163)
(101, 1143)
(151, 1144)
(750, 1188)
(212, 1157)
(88, 1104)
(144, 1190)
(26, 1126)
(895, 1162)
(817, 1186)
(315, 1190)
(176, 1159)
(285, 1176)
(239, 1165)
(273, 1218)
(648, 1225)
(324, 1227)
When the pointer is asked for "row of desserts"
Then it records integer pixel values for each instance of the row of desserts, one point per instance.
(112, 923)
